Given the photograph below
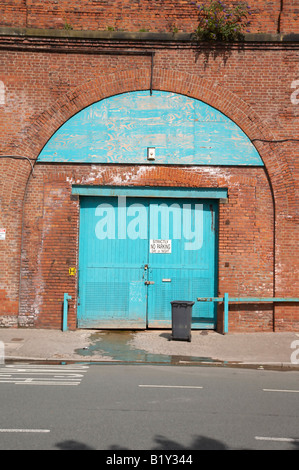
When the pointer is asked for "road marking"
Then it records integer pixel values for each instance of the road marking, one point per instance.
(26, 430)
(276, 439)
(285, 391)
(36, 382)
(41, 373)
(65, 375)
(169, 386)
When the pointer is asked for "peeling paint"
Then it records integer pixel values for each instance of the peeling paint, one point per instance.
(120, 129)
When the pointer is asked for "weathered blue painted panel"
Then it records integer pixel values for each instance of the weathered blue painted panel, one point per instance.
(119, 129)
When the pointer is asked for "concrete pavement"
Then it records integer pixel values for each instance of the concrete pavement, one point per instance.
(150, 346)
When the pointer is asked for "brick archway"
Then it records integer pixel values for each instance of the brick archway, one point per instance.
(237, 110)
(38, 134)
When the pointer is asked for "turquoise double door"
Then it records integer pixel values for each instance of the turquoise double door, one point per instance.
(137, 254)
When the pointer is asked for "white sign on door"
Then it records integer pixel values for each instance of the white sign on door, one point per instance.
(2, 233)
(160, 246)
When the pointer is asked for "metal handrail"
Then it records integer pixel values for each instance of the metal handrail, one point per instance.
(226, 299)
(66, 298)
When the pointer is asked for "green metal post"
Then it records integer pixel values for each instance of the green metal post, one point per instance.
(66, 298)
(225, 327)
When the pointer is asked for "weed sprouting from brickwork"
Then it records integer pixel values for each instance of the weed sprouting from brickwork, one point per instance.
(217, 22)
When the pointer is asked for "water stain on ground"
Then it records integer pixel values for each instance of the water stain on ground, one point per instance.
(115, 345)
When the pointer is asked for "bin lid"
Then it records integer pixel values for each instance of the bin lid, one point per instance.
(180, 302)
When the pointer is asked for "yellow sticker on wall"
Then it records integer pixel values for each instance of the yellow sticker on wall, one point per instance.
(72, 271)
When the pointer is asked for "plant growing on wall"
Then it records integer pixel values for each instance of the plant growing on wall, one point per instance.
(67, 26)
(217, 22)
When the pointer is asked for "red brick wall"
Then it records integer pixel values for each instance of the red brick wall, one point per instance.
(136, 15)
(51, 235)
(251, 85)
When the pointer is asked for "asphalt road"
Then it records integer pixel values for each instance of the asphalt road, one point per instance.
(147, 407)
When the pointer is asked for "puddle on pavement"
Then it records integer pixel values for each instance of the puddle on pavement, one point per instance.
(116, 346)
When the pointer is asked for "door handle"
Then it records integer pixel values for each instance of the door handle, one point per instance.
(147, 283)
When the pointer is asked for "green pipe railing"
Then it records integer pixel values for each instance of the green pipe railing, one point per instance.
(226, 299)
(66, 298)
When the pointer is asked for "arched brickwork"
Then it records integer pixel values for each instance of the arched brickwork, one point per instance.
(178, 82)
(213, 94)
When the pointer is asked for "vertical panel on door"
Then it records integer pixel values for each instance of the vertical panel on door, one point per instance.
(112, 292)
(188, 269)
